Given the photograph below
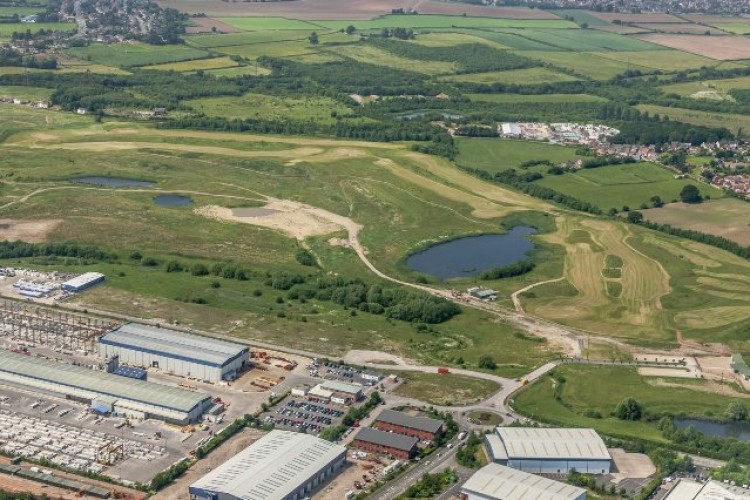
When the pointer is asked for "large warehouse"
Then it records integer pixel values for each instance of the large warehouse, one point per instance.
(103, 391)
(175, 352)
(282, 465)
(549, 451)
(496, 482)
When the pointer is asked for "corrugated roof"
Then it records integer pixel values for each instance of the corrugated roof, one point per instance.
(83, 279)
(272, 467)
(173, 343)
(497, 448)
(500, 482)
(100, 383)
(420, 423)
(336, 386)
(544, 443)
(712, 490)
(389, 439)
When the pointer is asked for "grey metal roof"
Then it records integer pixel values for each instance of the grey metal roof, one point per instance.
(101, 383)
(336, 386)
(172, 343)
(272, 467)
(496, 447)
(389, 439)
(420, 423)
(687, 489)
(557, 443)
(499, 482)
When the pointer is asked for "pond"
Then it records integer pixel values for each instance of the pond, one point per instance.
(424, 112)
(737, 430)
(172, 200)
(473, 255)
(113, 182)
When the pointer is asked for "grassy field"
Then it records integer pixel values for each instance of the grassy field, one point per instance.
(496, 155)
(10, 11)
(553, 98)
(239, 71)
(199, 64)
(528, 76)
(664, 60)
(588, 65)
(7, 29)
(135, 54)
(438, 21)
(726, 217)
(733, 122)
(736, 28)
(209, 41)
(717, 88)
(254, 106)
(273, 49)
(585, 40)
(600, 389)
(268, 23)
(444, 390)
(619, 185)
(30, 93)
(374, 55)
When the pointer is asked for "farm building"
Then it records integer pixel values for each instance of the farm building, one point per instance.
(82, 282)
(175, 352)
(739, 366)
(686, 489)
(282, 465)
(485, 294)
(377, 441)
(550, 451)
(496, 482)
(401, 423)
(105, 392)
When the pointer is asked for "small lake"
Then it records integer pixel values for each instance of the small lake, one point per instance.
(473, 255)
(420, 113)
(737, 430)
(113, 182)
(172, 200)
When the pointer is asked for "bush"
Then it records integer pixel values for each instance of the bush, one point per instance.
(690, 194)
(487, 363)
(628, 409)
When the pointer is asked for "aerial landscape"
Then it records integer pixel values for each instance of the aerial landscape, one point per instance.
(382, 249)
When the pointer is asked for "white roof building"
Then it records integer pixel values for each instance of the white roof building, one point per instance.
(550, 450)
(686, 489)
(282, 465)
(496, 482)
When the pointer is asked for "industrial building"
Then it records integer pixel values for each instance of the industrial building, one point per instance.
(377, 441)
(408, 425)
(82, 282)
(281, 465)
(686, 489)
(549, 451)
(334, 392)
(497, 482)
(105, 392)
(175, 352)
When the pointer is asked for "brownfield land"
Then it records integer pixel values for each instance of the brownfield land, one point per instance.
(638, 18)
(722, 48)
(207, 25)
(297, 9)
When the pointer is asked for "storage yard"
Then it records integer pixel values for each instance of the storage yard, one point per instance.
(45, 287)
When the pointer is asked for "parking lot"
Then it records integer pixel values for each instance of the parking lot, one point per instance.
(298, 414)
(345, 373)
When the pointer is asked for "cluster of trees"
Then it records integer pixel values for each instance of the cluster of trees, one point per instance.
(733, 472)
(588, 481)
(607, 160)
(660, 132)
(430, 485)
(509, 271)
(398, 33)
(692, 441)
(20, 249)
(11, 57)
(467, 453)
(628, 409)
(442, 144)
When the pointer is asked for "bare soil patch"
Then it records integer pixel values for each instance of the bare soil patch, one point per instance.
(207, 25)
(638, 18)
(30, 231)
(457, 9)
(721, 48)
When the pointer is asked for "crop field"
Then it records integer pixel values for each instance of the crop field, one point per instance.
(7, 29)
(736, 28)
(30, 93)
(682, 28)
(9, 11)
(136, 54)
(437, 21)
(588, 65)
(733, 122)
(638, 18)
(582, 16)
(497, 155)
(528, 76)
(721, 48)
(552, 98)
(717, 89)
(240, 71)
(195, 65)
(727, 217)
(209, 41)
(273, 49)
(600, 389)
(460, 9)
(379, 57)
(585, 40)
(616, 186)
(268, 23)
(664, 60)
(450, 39)
(255, 106)
(300, 9)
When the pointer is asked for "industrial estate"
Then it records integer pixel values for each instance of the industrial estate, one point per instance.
(385, 250)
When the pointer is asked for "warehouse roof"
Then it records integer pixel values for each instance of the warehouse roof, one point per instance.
(173, 344)
(101, 383)
(496, 447)
(272, 467)
(500, 482)
(83, 279)
(389, 439)
(336, 386)
(712, 490)
(544, 443)
(402, 419)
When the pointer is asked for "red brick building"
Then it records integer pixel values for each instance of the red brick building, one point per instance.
(386, 443)
(407, 425)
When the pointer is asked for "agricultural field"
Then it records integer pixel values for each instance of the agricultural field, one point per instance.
(615, 186)
(591, 66)
(210, 41)
(273, 49)
(259, 106)
(733, 122)
(727, 217)
(379, 57)
(736, 28)
(268, 23)
(199, 64)
(527, 76)
(663, 60)
(721, 48)
(135, 54)
(30, 93)
(497, 155)
(437, 21)
(585, 40)
(709, 89)
(7, 29)
(10, 11)
(236, 71)
(599, 389)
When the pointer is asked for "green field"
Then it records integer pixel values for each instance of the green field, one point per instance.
(443, 390)
(589, 66)
(618, 185)
(437, 21)
(497, 155)
(736, 28)
(528, 76)
(374, 55)
(135, 54)
(198, 64)
(583, 40)
(600, 389)
(733, 122)
(541, 98)
(269, 23)
(663, 60)
(259, 106)
(208, 41)
(30, 93)
(7, 29)
(20, 11)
